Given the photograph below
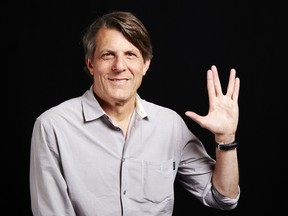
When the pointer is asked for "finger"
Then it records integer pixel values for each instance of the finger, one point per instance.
(236, 89)
(216, 80)
(210, 85)
(231, 83)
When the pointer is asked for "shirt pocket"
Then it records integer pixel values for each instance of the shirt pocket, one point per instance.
(158, 180)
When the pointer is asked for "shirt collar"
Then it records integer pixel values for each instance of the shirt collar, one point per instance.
(139, 107)
(92, 110)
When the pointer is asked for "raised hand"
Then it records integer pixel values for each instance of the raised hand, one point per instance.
(222, 117)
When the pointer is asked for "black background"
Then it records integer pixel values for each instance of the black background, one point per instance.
(42, 61)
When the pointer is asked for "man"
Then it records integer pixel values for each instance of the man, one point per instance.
(109, 152)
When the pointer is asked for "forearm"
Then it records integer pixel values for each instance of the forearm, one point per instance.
(226, 173)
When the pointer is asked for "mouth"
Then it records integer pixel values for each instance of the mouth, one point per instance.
(119, 81)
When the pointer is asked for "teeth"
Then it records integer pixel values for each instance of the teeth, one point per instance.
(118, 79)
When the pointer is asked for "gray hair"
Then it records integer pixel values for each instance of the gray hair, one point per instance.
(127, 23)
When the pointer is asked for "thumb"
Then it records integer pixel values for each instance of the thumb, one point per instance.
(195, 117)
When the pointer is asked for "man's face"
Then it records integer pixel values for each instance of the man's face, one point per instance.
(117, 67)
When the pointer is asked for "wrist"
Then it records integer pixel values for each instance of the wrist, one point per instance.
(224, 139)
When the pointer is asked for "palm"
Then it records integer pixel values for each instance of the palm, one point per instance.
(222, 117)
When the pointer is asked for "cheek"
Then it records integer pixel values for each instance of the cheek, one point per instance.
(101, 69)
(138, 70)
(139, 78)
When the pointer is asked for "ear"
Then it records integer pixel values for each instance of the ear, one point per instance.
(146, 66)
(89, 65)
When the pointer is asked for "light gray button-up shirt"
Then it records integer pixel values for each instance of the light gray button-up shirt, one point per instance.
(82, 165)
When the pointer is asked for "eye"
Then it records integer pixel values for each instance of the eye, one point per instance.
(107, 55)
(131, 54)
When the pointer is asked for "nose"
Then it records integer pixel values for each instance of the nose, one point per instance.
(119, 64)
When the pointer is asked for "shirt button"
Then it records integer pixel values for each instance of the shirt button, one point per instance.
(124, 192)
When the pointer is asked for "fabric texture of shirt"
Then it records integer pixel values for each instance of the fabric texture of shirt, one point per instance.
(82, 165)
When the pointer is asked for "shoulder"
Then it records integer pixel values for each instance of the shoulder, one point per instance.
(167, 120)
(155, 110)
(63, 110)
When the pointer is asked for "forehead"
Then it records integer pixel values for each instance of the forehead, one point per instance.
(112, 38)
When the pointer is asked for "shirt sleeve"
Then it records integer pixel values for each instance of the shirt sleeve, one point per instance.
(225, 203)
(48, 189)
(195, 174)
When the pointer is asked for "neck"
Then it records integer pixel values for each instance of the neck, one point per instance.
(119, 112)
